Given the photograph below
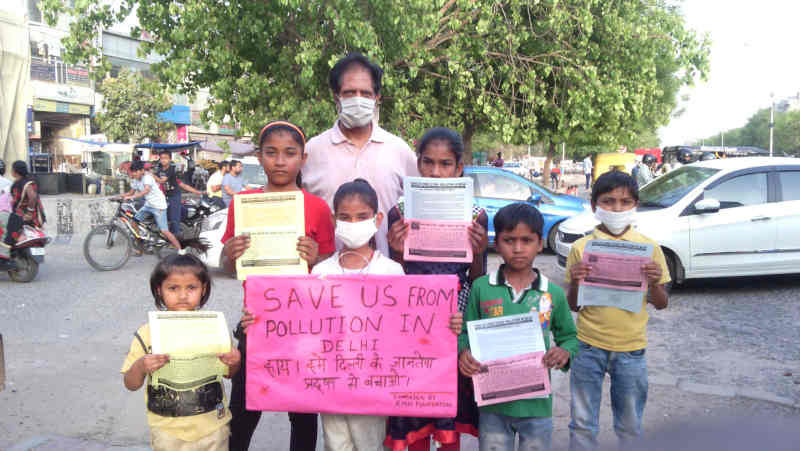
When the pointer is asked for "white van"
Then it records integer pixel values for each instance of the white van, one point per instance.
(252, 172)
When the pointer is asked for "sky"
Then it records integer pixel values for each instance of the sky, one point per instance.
(754, 53)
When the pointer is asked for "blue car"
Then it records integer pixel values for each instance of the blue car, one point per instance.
(495, 188)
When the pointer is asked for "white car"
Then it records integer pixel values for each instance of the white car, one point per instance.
(212, 230)
(718, 218)
(516, 167)
(214, 226)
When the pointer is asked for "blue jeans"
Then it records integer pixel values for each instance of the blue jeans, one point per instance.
(588, 180)
(497, 432)
(160, 216)
(628, 371)
(174, 212)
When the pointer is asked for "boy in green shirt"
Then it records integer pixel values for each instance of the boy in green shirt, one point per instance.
(518, 288)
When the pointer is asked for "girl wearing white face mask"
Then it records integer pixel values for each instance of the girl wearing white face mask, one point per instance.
(355, 208)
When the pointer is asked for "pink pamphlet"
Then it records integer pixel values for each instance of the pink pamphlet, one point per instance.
(519, 377)
(437, 241)
(352, 344)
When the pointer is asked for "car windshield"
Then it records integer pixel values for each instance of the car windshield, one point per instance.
(670, 188)
(253, 174)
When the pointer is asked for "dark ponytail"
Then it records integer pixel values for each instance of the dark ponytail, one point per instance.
(358, 187)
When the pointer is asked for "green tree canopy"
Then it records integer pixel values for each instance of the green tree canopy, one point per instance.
(526, 70)
(131, 104)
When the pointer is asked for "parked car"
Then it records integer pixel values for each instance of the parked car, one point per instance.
(718, 218)
(496, 188)
(516, 167)
(253, 173)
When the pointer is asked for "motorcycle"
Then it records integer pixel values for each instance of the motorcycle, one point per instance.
(26, 255)
(194, 212)
(109, 246)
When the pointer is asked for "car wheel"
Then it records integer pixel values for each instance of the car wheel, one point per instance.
(672, 265)
(551, 237)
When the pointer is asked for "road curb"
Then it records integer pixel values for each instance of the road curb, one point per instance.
(60, 443)
(728, 391)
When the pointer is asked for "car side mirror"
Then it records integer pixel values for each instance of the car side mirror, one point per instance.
(707, 206)
(535, 199)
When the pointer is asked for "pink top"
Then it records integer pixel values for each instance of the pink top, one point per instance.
(383, 161)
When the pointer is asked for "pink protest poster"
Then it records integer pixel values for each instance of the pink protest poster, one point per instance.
(352, 344)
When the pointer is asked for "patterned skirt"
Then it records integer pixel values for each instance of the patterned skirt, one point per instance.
(404, 431)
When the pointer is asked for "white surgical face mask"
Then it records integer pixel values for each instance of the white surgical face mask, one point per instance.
(615, 222)
(356, 111)
(356, 234)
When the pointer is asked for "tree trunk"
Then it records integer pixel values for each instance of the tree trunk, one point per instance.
(548, 163)
(469, 132)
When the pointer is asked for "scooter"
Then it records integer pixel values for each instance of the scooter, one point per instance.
(26, 255)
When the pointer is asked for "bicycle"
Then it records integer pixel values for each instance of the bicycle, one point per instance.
(109, 246)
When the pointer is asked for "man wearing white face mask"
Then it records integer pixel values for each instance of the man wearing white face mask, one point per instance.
(612, 340)
(356, 147)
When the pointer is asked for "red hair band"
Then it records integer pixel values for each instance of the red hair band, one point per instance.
(277, 123)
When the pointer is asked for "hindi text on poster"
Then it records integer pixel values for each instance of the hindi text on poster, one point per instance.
(352, 344)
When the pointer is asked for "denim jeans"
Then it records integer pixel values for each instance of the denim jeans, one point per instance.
(496, 432)
(628, 371)
(174, 212)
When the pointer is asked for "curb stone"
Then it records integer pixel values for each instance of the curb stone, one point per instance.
(663, 379)
(766, 396)
(60, 443)
(727, 391)
(718, 390)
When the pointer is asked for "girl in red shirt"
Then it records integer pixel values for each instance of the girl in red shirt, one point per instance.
(281, 151)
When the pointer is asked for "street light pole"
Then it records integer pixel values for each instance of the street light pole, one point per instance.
(771, 120)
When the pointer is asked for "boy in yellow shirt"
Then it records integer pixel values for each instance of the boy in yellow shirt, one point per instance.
(611, 340)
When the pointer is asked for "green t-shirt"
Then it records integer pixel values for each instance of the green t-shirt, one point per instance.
(491, 297)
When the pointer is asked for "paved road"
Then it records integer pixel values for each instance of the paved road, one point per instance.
(67, 333)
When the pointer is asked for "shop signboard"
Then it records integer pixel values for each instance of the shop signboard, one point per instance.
(63, 93)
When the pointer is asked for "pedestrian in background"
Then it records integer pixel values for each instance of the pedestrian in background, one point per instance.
(498, 162)
(555, 174)
(232, 182)
(612, 340)
(214, 183)
(166, 174)
(587, 170)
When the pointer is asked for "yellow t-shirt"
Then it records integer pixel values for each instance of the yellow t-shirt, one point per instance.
(611, 328)
(214, 180)
(189, 429)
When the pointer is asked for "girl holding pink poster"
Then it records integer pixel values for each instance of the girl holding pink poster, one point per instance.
(281, 152)
(355, 207)
(440, 154)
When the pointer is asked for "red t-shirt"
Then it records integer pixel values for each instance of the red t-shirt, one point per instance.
(319, 225)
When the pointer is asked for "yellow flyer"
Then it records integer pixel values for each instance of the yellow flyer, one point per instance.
(192, 340)
(274, 222)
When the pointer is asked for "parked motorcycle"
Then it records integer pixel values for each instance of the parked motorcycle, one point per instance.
(109, 246)
(26, 255)
(195, 212)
